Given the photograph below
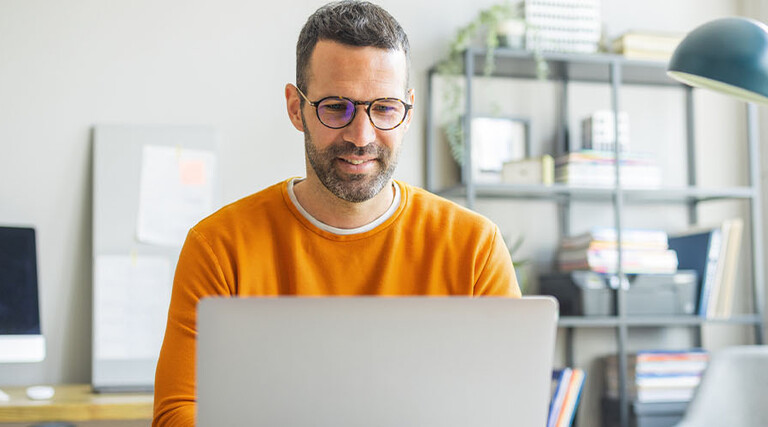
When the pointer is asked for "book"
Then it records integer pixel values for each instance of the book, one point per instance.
(682, 394)
(605, 237)
(658, 375)
(560, 381)
(730, 266)
(699, 250)
(597, 168)
(572, 396)
(633, 261)
(647, 45)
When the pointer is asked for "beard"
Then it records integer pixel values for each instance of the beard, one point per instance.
(354, 188)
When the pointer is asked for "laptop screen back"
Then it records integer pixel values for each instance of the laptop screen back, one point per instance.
(375, 361)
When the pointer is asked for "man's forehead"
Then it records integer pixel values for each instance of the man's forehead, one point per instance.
(336, 63)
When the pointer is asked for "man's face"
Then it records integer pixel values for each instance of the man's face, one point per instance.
(357, 161)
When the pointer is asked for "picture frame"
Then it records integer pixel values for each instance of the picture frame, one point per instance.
(496, 140)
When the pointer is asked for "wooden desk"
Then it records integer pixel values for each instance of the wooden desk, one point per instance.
(77, 403)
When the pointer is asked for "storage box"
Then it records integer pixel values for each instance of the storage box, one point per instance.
(661, 414)
(586, 293)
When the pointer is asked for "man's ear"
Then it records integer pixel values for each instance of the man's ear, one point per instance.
(411, 99)
(293, 105)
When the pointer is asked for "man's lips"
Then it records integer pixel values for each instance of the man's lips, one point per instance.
(357, 165)
(357, 160)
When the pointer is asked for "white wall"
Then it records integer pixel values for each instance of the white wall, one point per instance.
(65, 66)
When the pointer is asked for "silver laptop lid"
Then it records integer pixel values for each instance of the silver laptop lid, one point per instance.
(375, 361)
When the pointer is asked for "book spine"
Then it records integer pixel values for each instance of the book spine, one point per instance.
(572, 398)
(557, 399)
(710, 273)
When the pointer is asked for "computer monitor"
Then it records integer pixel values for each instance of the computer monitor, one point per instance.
(21, 339)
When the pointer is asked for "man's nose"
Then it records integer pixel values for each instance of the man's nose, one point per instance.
(361, 131)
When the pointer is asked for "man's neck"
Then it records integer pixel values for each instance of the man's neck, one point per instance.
(327, 208)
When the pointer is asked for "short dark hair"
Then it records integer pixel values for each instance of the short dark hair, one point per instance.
(350, 22)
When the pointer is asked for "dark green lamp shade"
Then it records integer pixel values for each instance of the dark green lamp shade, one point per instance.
(728, 55)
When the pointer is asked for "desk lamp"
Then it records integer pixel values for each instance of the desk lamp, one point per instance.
(727, 55)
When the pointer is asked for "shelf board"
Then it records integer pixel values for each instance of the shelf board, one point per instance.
(640, 321)
(577, 67)
(631, 195)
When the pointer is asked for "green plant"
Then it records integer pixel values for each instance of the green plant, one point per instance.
(485, 25)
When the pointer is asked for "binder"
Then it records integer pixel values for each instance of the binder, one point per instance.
(700, 250)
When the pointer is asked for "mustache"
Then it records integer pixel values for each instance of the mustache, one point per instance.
(348, 148)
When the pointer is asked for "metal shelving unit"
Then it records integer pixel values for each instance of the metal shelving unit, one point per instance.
(616, 71)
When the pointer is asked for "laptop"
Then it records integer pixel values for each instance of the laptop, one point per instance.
(365, 361)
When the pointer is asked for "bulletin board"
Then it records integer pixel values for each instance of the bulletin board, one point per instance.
(150, 185)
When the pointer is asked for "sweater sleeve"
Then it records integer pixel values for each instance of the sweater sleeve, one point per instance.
(497, 276)
(198, 274)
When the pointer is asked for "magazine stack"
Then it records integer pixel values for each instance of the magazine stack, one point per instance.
(642, 251)
(658, 375)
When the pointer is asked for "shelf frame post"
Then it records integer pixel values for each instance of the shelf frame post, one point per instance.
(756, 218)
(467, 169)
(620, 292)
(429, 134)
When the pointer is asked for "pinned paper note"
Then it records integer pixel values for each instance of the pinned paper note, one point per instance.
(176, 192)
(131, 298)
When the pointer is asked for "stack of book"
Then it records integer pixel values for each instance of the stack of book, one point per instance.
(597, 131)
(647, 45)
(714, 254)
(642, 251)
(566, 390)
(562, 25)
(592, 168)
(659, 375)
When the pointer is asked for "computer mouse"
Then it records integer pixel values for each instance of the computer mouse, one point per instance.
(40, 392)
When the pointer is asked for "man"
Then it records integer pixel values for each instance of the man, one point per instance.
(346, 229)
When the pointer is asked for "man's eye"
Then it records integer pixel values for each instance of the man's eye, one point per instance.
(336, 107)
(385, 108)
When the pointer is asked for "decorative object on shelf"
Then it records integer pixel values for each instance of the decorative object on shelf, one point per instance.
(499, 19)
(529, 171)
(727, 55)
(511, 33)
(591, 168)
(496, 140)
(646, 45)
(570, 26)
(598, 133)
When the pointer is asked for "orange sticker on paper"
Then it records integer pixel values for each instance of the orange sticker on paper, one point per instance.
(192, 172)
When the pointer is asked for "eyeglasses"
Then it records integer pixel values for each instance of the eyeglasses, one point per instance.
(337, 112)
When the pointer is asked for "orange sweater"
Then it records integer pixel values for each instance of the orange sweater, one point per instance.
(262, 245)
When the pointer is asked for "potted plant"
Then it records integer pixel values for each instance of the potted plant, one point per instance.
(501, 22)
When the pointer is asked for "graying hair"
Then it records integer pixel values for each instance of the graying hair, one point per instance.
(350, 22)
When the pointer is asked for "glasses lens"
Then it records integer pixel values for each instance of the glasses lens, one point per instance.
(335, 112)
(387, 113)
